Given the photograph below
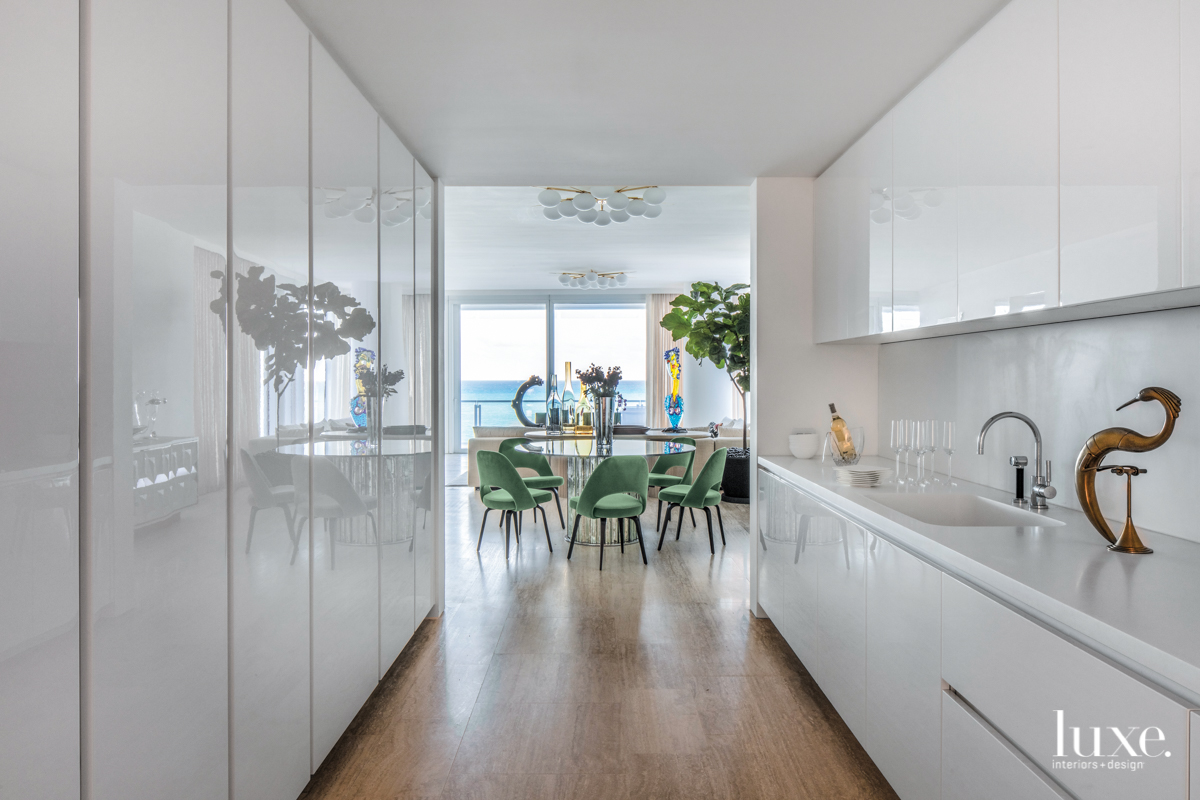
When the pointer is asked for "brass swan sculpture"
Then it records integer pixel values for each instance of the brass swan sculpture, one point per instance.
(1130, 441)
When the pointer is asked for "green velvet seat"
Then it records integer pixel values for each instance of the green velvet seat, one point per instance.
(661, 479)
(545, 478)
(501, 489)
(700, 494)
(617, 489)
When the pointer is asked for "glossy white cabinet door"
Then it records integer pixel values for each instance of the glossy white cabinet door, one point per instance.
(269, 590)
(977, 764)
(157, 196)
(1119, 101)
(39, 274)
(769, 584)
(808, 524)
(397, 341)
(904, 669)
(423, 355)
(1194, 738)
(345, 565)
(839, 559)
(1189, 42)
(853, 240)
(1007, 102)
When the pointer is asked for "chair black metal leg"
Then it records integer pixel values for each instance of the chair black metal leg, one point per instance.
(720, 523)
(692, 511)
(486, 511)
(621, 531)
(558, 505)
(545, 525)
(641, 539)
(574, 533)
(508, 515)
(712, 548)
(679, 527)
(658, 519)
(666, 523)
(603, 522)
(520, 517)
(250, 532)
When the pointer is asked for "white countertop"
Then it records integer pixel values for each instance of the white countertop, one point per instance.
(1141, 610)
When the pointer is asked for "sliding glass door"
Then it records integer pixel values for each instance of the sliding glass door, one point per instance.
(500, 347)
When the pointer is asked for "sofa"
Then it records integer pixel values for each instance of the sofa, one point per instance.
(489, 438)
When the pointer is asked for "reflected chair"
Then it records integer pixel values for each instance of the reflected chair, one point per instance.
(618, 490)
(502, 489)
(659, 478)
(701, 494)
(334, 498)
(545, 478)
(264, 496)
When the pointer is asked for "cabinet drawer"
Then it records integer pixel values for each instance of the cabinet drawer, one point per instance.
(977, 764)
(1041, 691)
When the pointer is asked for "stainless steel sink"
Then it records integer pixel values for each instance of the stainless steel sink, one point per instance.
(962, 511)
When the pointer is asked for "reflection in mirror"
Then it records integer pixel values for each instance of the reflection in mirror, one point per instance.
(423, 383)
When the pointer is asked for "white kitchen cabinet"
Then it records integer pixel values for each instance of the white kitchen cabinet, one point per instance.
(1021, 677)
(1189, 54)
(903, 675)
(978, 764)
(925, 202)
(1119, 107)
(852, 235)
(836, 550)
(1007, 193)
(773, 546)
(1194, 738)
(808, 527)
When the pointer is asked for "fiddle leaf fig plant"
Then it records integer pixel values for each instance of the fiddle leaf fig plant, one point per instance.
(715, 322)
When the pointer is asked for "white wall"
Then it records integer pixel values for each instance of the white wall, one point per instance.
(1069, 378)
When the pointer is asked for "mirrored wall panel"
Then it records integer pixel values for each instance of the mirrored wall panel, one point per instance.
(39, 457)
(158, 400)
(423, 413)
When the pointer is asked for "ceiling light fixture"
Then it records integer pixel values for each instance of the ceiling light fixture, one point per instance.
(395, 206)
(602, 205)
(593, 280)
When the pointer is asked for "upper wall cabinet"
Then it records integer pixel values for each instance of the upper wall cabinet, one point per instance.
(1036, 170)
(1119, 107)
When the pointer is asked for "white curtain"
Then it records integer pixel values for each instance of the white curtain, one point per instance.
(422, 366)
(658, 341)
(209, 372)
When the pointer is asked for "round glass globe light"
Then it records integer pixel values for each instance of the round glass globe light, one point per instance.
(591, 276)
(365, 214)
(549, 198)
(655, 195)
(552, 212)
(583, 201)
(567, 208)
(387, 202)
(622, 279)
(619, 216)
(603, 218)
(351, 202)
(652, 212)
(637, 208)
(574, 283)
(564, 279)
(588, 215)
(618, 201)
(881, 216)
(603, 192)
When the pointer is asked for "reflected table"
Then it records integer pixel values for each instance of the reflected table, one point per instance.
(398, 471)
(581, 458)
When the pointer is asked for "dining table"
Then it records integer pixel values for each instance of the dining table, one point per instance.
(581, 456)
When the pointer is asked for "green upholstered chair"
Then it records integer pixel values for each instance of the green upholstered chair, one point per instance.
(545, 478)
(501, 488)
(617, 489)
(661, 479)
(703, 493)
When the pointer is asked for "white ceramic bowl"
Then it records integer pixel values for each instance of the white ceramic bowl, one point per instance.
(804, 445)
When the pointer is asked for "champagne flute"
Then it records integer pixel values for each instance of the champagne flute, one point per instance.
(924, 445)
(948, 448)
(910, 442)
(896, 443)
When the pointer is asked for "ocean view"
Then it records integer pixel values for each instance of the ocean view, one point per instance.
(494, 399)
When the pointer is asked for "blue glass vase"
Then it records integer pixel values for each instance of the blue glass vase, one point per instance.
(673, 404)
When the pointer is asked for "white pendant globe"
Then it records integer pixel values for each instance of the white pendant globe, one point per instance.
(334, 210)
(592, 276)
(552, 213)
(603, 192)
(637, 208)
(603, 218)
(567, 208)
(588, 215)
(619, 216)
(574, 283)
(602, 282)
(549, 198)
(622, 279)
(618, 201)
(387, 202)
(652, 212)
(655, 195)
(564, 279)
(583, 201)
(365, 214)
(881, 216)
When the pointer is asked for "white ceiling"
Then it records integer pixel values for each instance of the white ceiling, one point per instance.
(670, 92)
(498, 239)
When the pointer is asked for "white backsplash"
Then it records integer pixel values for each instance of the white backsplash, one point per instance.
(1069, 378)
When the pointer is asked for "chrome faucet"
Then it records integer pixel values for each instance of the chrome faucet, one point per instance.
(1042, 490)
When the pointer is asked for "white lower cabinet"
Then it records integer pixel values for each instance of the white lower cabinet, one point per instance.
(1194, 739)
(978, 764)
(904, 735)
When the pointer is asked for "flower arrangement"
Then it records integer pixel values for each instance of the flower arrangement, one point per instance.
(598, 382)
(369, 379)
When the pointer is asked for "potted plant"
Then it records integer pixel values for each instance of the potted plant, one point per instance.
(602, 387)
(715, 322)
(375, 394)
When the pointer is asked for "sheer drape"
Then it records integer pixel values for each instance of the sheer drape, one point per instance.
(422, 368)
(658, 341)
(208, 372)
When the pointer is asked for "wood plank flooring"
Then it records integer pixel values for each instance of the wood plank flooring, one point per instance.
(551, 679)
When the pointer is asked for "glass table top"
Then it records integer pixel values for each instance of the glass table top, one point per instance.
(355, 448)
(586, 448)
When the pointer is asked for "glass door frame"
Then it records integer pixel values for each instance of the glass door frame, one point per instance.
(456, 300)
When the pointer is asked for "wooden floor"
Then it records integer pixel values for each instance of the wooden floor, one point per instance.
(550, 679)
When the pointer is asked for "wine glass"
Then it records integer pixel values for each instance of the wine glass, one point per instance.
(896, 443)
(947, 444)
(925, 444)
(910, 444)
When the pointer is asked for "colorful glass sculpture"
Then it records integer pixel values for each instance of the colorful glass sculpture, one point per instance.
(673, 403)
(364, 361)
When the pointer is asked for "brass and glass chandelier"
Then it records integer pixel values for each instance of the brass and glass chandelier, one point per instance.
(601, 205)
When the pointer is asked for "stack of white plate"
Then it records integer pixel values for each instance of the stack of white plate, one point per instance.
(861, 476)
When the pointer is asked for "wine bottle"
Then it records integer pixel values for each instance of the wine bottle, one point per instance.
(841, 436)
(568, 404)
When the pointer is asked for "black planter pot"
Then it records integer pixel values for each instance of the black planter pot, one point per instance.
(735, 486)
